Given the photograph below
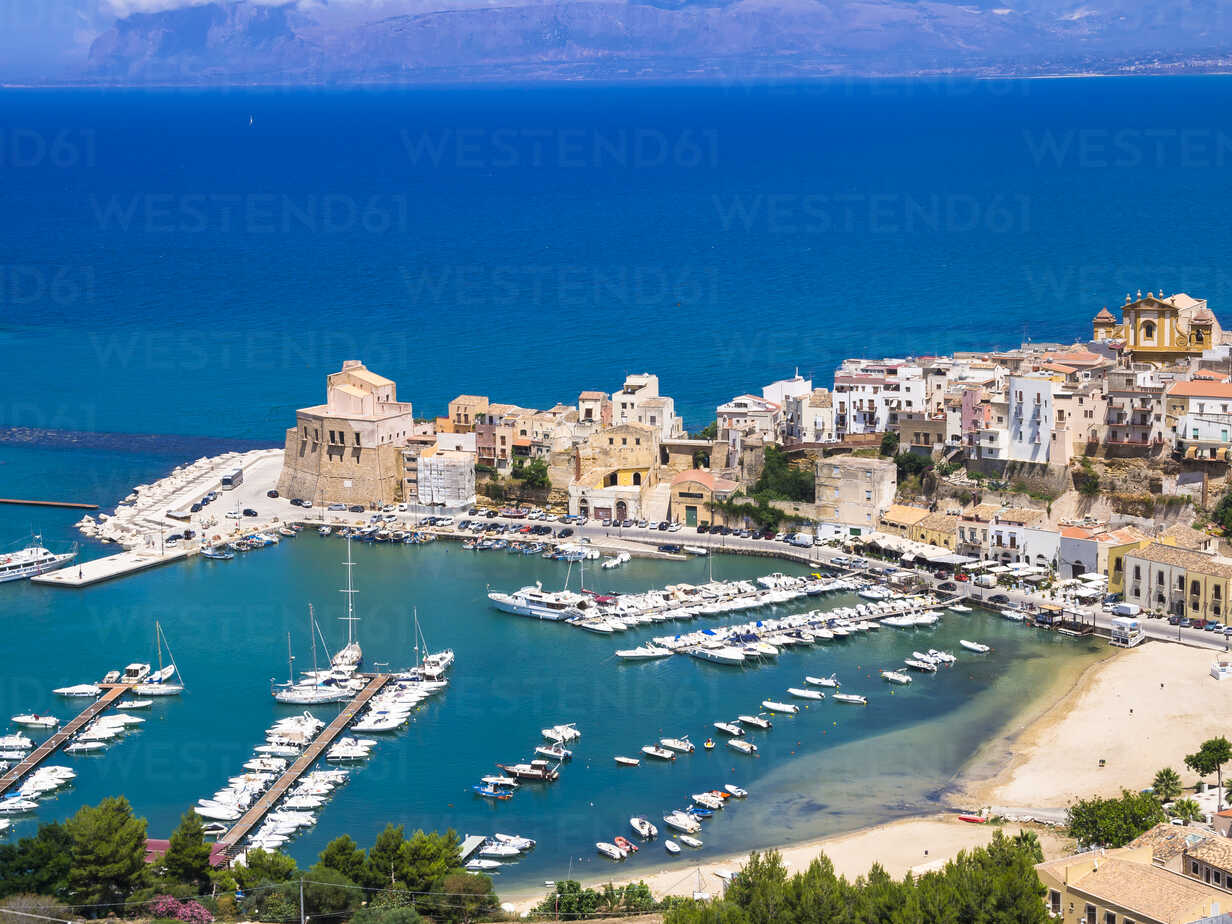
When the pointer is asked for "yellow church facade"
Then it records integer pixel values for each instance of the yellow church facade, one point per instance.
(1158, 330)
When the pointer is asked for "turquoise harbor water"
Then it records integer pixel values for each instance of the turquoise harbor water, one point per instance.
(828, 769)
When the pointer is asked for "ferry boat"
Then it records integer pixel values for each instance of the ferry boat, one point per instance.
(33, 560)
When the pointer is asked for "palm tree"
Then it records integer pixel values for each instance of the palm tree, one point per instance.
(1167, 784)
(1188, 810)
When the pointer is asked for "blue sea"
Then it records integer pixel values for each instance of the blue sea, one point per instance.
(179, 270)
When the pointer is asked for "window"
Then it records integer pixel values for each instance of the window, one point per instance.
(1054, 901)
(1193, 867)
(1088, 915)
(1109, 917)
(1148, 330)
(357, 438)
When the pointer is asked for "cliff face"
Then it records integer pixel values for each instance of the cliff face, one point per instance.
(227, 41)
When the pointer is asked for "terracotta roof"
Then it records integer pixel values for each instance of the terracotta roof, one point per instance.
(1145, 891)
(1078, 357)
(1167, 840)
(939, 523)
(1202, 316)
(1059, 367)
(1025, 516)
(1199, 562)
(981, 512)
(469, 399)
(1186, 537)
(904, 515)
(711, 481)
(1201, 389)
(1215, 850)
(591, 395)
(1105, 315)
(1209, 376)
(1076, 532)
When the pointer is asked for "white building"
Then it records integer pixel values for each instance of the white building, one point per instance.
(810, 418)
(779, 392)
(868, 396)
(1030, 418)
(743, 417)
(639, 402)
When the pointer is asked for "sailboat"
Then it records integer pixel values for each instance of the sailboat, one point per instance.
(429, 665)
(318, 688)
(160, 682)
(351, 656)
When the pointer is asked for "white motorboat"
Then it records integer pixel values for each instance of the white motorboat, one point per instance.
(85, 747)
(684, 745)
(498, 850)
(628, 761)
(18, 742)
(806, 694)
(671, 846)
(959, 608)
(506, 781)
(35, 720)
(696, 549)
(689, 841)
(756, 721)
(896, 677)
(722, 654)
(942, 657)
(610, 850)
(729, 728)
(875, 593)
(853, 698)
(708, 799)
(79, 689)
(644, 653)
(823, 681)
(736, 790)
(775, 706)
(480, 865)
(554, 751)
(643, 827)
(561, 734)
(651, 750)
(682, 821)
(266, 764)
(923, 666)
(521, 844)
(744, 747)
(15, 805)
(975, 646)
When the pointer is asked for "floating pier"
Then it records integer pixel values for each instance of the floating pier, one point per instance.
(61, 737)
(303, 763)
(42, 503)
(83, 574)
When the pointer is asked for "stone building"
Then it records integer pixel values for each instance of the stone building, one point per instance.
(616, 472)
(348, 450)
(854, 490)
(693, 494)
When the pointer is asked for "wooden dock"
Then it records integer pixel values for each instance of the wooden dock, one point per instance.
(56, 741)
(312, 753)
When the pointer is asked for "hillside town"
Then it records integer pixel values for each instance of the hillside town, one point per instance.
(1051, 461)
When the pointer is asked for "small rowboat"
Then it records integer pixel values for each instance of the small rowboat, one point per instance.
(973, 819)
(689, 841)
(736, 790)
(624, 844)
(744, 747)
(628, 761)
(671, 846)
(610, 850)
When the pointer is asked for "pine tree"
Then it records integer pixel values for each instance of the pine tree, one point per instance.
(345, 856)
(108, 853)
(187, 859)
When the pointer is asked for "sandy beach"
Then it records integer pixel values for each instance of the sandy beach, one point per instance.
(913, 844)
(1138, 711)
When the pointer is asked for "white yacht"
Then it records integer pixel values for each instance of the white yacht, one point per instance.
(644, 652)
(897, 677)
(537, 603)
(35, 720)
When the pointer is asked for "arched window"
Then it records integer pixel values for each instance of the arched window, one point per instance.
(637, 478)
(1197, 336)
(1148, 330)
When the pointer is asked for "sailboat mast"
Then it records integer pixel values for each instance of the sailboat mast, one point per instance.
(290, 663)
(350, 591)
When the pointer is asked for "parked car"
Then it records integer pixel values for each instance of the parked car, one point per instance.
(999, 598)
(249, 512)
(336, 507)
(356, 508)
(195, 508)
(627, 524)
(565, 533)
(296, 502)
(271, 493)
(947, 585)
(232, 514)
